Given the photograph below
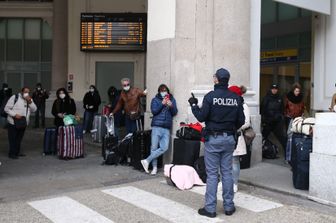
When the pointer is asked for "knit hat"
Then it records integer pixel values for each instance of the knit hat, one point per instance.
(235, 89)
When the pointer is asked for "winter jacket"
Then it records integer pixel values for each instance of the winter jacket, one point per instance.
(4, 95)
(163, 114)
(272, 108)
(222, 110)
(129, 101)
(241, 145)
(294, 105)
(91, 99)
(64, 106)
(19, 108)
(40, 97)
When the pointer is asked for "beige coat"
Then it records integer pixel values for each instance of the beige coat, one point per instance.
(241, 145)
(19, 108)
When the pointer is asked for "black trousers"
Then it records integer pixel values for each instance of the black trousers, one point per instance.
(278, 130)
(40, 111)
(15, 137)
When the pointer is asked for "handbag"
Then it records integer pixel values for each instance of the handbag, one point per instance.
(20, 123)
(249, 135)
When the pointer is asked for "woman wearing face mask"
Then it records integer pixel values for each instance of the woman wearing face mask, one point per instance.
(163, 108)
(63, 105)
(91, 102)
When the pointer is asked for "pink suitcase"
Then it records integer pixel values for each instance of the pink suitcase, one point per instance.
(70, 142)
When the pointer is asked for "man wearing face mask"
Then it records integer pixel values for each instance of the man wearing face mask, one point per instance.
(63, 105)
(40, 96)
(130, 101)
(19, 106)
(91, 102)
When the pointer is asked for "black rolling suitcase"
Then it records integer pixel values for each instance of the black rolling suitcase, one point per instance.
(301, 148)
(185, 152)
(50, 141)
(141, 147)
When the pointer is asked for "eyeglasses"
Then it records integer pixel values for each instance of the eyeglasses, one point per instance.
(125, 85)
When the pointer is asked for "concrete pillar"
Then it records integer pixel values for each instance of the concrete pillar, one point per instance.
(199, 37)
(322, 175)
(59, 69)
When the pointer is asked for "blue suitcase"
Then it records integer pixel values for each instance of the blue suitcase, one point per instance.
(50, 141)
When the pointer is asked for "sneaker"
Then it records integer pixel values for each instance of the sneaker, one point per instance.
(204, 212)
(145, 165)
(154, 171)
(230, 212)
(235, 188)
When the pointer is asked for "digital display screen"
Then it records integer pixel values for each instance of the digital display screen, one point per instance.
(113, 31)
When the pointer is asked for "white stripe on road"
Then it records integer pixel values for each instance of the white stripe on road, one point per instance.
(163, 207)
(65, 210)
(243, 200)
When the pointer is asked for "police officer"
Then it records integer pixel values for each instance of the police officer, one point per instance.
(222, 112)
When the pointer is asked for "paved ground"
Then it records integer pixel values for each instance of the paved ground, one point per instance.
(40, 188)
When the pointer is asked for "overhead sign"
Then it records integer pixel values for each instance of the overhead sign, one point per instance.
(289, 55)
(113, 31)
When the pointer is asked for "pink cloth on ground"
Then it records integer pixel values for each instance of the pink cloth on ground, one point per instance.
(184, 177)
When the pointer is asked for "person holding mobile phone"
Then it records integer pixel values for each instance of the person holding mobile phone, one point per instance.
(163, 108)
(18, 107)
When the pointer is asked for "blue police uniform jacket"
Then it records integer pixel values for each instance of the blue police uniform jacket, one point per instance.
(162, 114)
(222, 110)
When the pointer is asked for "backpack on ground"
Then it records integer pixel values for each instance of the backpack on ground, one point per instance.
(269, 150)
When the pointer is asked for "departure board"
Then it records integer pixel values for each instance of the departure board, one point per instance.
(113, 31)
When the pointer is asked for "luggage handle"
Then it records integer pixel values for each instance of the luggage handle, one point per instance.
(139, 125)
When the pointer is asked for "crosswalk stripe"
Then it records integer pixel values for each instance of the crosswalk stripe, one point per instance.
(243, 200)
(65, 210)
(163, 207)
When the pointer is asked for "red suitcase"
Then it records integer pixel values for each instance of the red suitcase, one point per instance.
(70, 142)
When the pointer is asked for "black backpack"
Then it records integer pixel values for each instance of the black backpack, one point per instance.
(3, 105)
(199, 166)
(269, 150)
(189, 133)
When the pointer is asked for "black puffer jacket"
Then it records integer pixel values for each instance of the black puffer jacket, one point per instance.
(272, 108)
(64, 106)
(92, 99)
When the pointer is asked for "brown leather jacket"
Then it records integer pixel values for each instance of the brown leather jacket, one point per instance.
(293, 110)
(129, 101)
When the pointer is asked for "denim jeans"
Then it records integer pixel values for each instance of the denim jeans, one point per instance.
(130, 125)
(160, 143)
(235, 169)
(218, 155)
(88, 120)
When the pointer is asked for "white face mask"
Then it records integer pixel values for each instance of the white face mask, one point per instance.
(91, 90)
(25, 95)
(163, 93)
(6, 88)
(38, 88)
(62, 96)
(127, 88)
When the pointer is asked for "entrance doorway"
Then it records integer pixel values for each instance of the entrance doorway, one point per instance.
(109, 74)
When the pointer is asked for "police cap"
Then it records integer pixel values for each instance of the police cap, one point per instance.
(222, 74)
